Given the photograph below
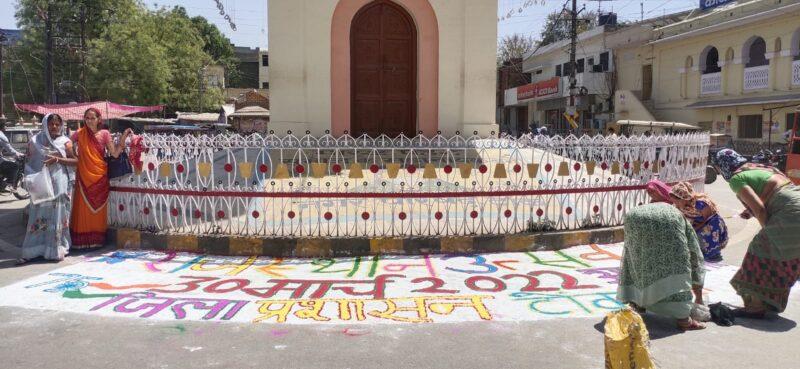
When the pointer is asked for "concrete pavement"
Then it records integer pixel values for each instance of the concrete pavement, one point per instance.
(53, 339)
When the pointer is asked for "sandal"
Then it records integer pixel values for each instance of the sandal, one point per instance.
(690, 325)
(21, 261)
(743, 313)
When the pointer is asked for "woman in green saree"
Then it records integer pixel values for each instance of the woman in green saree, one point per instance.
(772, 263)
(662, 265)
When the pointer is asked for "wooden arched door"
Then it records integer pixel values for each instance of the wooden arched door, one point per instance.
(383, 70)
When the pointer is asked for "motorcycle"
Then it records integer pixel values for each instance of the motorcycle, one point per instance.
(775, 159)
(15, 188)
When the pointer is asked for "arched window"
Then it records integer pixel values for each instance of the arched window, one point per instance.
(709, 60)
(754, 52)
(795, 46)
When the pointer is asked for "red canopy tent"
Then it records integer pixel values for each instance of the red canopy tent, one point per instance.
(75, 111)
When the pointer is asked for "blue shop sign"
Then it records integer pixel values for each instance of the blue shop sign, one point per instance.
(708, 4)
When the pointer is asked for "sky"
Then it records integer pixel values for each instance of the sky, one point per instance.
(250, 16)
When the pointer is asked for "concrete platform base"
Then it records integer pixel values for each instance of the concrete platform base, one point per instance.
(325, 247)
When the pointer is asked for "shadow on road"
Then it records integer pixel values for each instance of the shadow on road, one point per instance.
(772, 323)
(658, 326)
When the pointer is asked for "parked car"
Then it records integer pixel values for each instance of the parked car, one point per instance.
(19, 135)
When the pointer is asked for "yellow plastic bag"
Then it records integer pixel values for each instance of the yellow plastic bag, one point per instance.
(627, 341)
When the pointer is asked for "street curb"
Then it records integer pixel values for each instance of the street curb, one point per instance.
(126, 238)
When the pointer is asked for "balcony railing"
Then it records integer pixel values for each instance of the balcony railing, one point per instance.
(756, 78)
(796, 73)
(711, 83)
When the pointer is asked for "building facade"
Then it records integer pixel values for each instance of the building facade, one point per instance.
(546, 98)
(383, 66)
(734, 69)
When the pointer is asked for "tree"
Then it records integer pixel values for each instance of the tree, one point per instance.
(153, 57)
(118, 50)
(514, 47)
(557, 26)
(75, 23)
(216, 45)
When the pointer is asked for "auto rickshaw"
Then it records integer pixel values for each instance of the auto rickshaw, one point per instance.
(793, 150)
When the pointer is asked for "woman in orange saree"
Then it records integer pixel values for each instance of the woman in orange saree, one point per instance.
(88, 220)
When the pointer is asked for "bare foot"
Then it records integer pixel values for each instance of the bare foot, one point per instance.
(690, 324)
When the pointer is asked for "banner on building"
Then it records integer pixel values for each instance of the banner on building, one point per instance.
(538, 89)
(708, 4)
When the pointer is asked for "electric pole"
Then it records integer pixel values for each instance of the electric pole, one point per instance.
(571, 110)
(2, 100)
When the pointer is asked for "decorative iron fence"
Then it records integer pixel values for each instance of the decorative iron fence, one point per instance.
(796, 73)
(309, 186)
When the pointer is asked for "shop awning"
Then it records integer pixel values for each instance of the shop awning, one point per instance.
(755, 100)
(75, 111)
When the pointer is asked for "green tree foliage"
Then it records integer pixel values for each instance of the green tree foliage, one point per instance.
(514, 47)
(130, 54)
(557, 26)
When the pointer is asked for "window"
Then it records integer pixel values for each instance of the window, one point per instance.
(558, 70)
(711, 62)
(591, 61)
(580, 65)
(265, 60)
(757, 53)
(604, 61)
(538, 72)
(750, 126)
(790, 121)
(567, 68)
(265, 85)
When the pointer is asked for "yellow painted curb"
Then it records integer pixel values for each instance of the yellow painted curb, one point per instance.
(515, 243)
(182, 243)
(386, 245)
(457, 244)
(129, 238)
(241, 246)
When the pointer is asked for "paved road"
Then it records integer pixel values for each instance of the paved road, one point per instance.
(58, 339)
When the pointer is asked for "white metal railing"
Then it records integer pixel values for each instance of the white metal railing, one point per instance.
(312, 186)
(796, 73)
(756, 78)
(711, 83)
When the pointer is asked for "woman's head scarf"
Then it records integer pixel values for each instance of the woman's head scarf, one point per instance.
(685, 191)
(729, 162)
(46, 133)
(661, 188)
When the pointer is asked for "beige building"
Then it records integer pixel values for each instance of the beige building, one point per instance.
(546, 98)
(382, 66)
(733, 69)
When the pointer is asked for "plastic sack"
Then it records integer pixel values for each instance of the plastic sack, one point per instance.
(700, 313)
(627, 341)
(39, 186)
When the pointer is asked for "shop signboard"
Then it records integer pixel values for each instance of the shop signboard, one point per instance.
(539, 89)
(708, 4)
